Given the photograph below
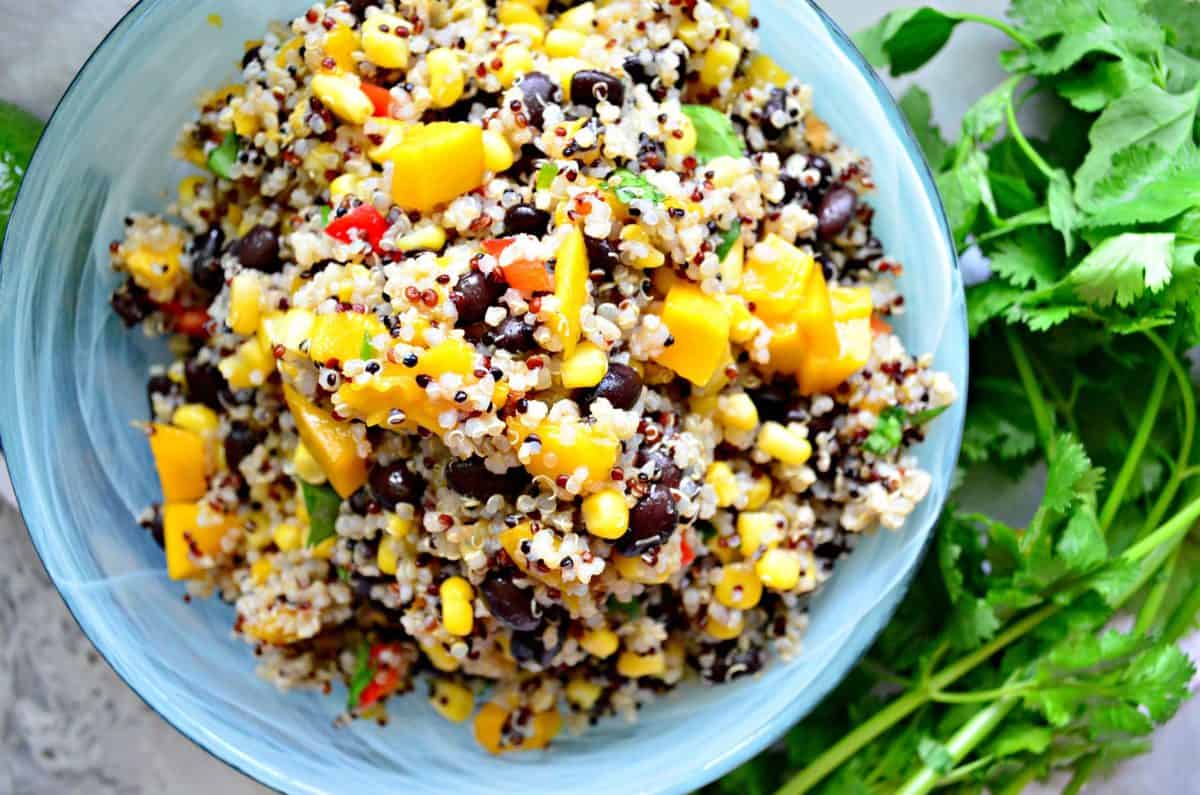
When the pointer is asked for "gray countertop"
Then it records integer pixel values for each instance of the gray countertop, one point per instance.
(68, 724)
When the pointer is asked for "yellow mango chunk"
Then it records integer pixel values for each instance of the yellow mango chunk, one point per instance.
(330, 442)
(570, 285)
(763, 69)
(823, 373)
(342, 94)
(774, 278)
(340, 45)
(248, 366)
(288, 329)
(183, 531)
(180, 461)
(700, 327)
(380, 43)
(340, 335)
(851, 303)
(567, 446)
(393, 132)
(436, 163)
(155, 269)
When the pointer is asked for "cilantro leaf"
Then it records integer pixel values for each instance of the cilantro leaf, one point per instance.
(367, 349)
(1108, 81)
(1146, 184)
(364, 672)
(1069, 475)
(1123, 268)
(1080, 27)
(964, 190)
(545, 175)
(1063, 215)
(1081, 546)
(715, 135)
(918, 109)
(221, 160)
(629, 187)
(632, 608)
(1027, 257)
(906, 39)
(729, 239)
(323, 505)
(887, 433)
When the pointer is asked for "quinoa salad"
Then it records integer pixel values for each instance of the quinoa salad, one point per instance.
(535, 358)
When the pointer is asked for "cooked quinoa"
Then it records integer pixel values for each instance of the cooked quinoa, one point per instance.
(540, 351)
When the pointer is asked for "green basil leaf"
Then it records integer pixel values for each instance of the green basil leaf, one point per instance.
(715, 136)
(729, 238)
(221, 159)
(629, 187)
(322, 504)
(546, 174)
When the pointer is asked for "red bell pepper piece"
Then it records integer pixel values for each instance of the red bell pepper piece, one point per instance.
(189, 320)
(528, 276)
(380, 97)
(496, 245)
(386, 679)
(879, 325)
(363, 219)
(686, 554)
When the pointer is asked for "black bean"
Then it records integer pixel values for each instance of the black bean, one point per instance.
(359, 7)
(792, 188)
(635, 67)
(160, 385)
(207, 272)
(823, 167)
(206, 385)
(525, 219)
(828, 269)
(665, 470)
(776, 103)
(513, 335)
(259, 249)
(538, 91)
(589, 87)
(772, 401)
(532, 646)
(602, 254)
(395, 483)
(836, 211)
(470, 477)
(240, 442)
(530, 159)
(153, 524)
(472, 297)
(362, 501)
(250, 56)
(131, 303)
(651, 522)
(512, 606)
(621, 385)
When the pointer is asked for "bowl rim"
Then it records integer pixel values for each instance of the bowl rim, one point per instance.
(775, 727)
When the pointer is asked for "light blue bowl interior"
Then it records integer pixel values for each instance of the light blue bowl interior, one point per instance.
(82, 472)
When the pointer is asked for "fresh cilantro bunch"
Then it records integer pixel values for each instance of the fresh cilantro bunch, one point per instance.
(1024, 651)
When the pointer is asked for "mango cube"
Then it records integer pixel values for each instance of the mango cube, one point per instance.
(340, 335)
(570, 286)
(180, 461)
(331, 442)
(700, 328)
(567, 446)
(775, 277)
(436, 163)
(183, 532)
(823, 373)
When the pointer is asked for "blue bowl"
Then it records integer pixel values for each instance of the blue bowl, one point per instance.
(82, 473)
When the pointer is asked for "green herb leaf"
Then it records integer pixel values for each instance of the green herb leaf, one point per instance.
(934, 754)
(1123, 268)
(925, 415)
(323, 505)
(629, 187)
(906, 39)
(221, 159)
(1078, 28)
(729, 238)
(325, 211)
(964, 190)
(546, 174)
(367, 349)
(1145, 185)
(343, 574)
(918, 109)
(364, 672)
(1027, 257)
(715, 135)
(632, 609)
(888, 431)
(1108, 81)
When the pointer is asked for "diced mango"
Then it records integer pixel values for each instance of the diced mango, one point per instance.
(330, 442)
(155, 268)
(763, 69)
(435, 163)
(339, 335)
(567, 446)
(183, 532)
(851, 303)
(380, 43)
(774, 278)
(340, 44)
(515, 61)
(342, 94)
(570, 286)
(585, 367)
(288, 329)
(824, 373)
(720, 61)
(700, 328)
(248, 366)
(394, 132)
(637, 570)
(180, 461)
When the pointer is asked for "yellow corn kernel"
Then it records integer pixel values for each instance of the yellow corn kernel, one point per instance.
(458, 616)
(244, 296)
(784, 444)
(155, 269)
(197, 418)
(522, 20)
(685, 145)
(703, 403)
(763, 69)
(515, 60)
(581, 18)
(720, 476)
(605, 514)
(289, 46)
(343, 186)
(393, 132)
(759, 493)
(340, 44)
(439, 657)
(634, 666)
(497, 154)
(456, 588)
(563, 69)
(583, 693)
(324, 549)
(260, 570)
(564, 43)
(635, 569)
(779, 569)
(388, 556)
(451, 700)
(737, 411)
(180, 461)
(446, 77)
(585, 367)
(425, 237)
(261, 535)
(380, 43)
(644, 254)
(287, 537)
(742, 327)
(546, 726)
(307, 467)
(740, 8)
(342, 95)
(756, 529)
(187, 189)
(398, 527)
(739, 587)
(723, 631)
(720, 61)
(602, 642)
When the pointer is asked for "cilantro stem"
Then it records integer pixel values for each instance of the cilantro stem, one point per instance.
(1018, 784)
(883, 673)
(1184, 617)
(969, 735)
(1014, 129)
(1083, 773)
(975, 696)
(1036, 217)
(1042, 415)
(1188, 398)
(962, 772)
(1116, 495)
(1148, 612)
(1172, 530)
(1000, 25)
